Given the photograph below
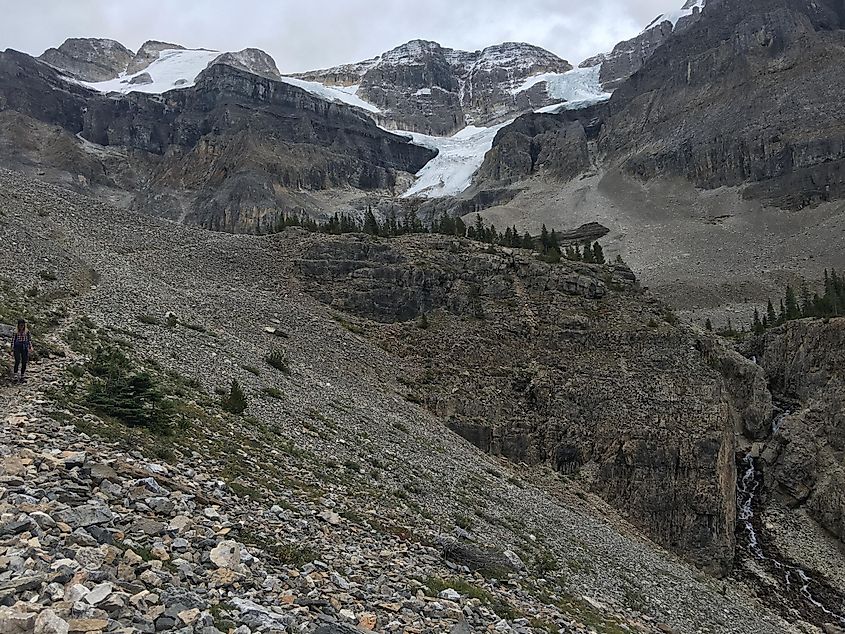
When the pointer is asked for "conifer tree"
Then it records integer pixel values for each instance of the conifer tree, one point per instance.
(460, 228)
(527, 241)
(588, 252)
(771, 315)
(598, 253)
(544, 240)
(508, 239)
(792, 311)
(708, 324)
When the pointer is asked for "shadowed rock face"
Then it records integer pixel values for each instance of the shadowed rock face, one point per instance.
(229, 153)
(804, 362)
(89, 59)
(536, 144)
(567, 365)
(747, 94)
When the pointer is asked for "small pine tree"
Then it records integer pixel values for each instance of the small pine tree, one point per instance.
(544, 239)
(460, 228)
(588, 253)
(792, 310)
(235, 401)
(479, 227)
(527, 241)
(598, 253)
(422, 322)
(708, 324)
(771, 315)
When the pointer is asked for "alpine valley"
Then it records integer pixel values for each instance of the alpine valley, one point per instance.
(440, 341)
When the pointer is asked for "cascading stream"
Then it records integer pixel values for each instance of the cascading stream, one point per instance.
(791, 580)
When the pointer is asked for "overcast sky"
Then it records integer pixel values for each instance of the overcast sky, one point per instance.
(309, 34)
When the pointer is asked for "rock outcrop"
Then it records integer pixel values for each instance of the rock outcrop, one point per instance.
(628, 57)
(534, 144)
(252, 60)
(324, 507)
(89, 59)
(566, 365)
(147, 54)
(804, 362)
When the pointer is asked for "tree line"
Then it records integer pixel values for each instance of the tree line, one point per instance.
(548, 243)
(831, 303)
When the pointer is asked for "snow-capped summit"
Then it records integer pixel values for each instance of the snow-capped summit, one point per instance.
(427, 88)
(108, 66)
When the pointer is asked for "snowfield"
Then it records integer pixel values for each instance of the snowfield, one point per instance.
(451, 171)
(578, 87)
(176, 69)
(173, 69)
(342, 94)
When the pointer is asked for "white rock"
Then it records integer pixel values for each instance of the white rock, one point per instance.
(450, 595)
(227, 554)
(99, 593)
(75, 593)
(49, 623)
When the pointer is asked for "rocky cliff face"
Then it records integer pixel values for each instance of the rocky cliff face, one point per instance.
(628, 57)
(424, 87)
(251, 60)
(89, 59)
(746, 94)
(537, 144)
(232, 152)
(566, 365)
(804, 363)
(742, 96)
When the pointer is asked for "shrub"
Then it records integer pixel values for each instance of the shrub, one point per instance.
(277, 359)
(422, 322)
(170, 320)
(273, 392)
(133, 398)
(235, 401)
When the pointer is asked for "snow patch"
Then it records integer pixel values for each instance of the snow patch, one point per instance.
(174, 68)
(578, 87)
(342, 94)
(459, 157)
(674, 16)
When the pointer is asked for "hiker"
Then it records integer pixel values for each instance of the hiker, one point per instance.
(21, 348)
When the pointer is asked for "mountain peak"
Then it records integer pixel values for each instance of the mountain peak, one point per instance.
(89, 58)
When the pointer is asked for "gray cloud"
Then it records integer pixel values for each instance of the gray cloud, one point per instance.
(308, 34)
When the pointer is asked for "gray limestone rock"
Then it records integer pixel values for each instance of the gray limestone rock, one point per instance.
(89, 59)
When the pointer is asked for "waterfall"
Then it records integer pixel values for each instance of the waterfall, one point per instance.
(792, 581)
